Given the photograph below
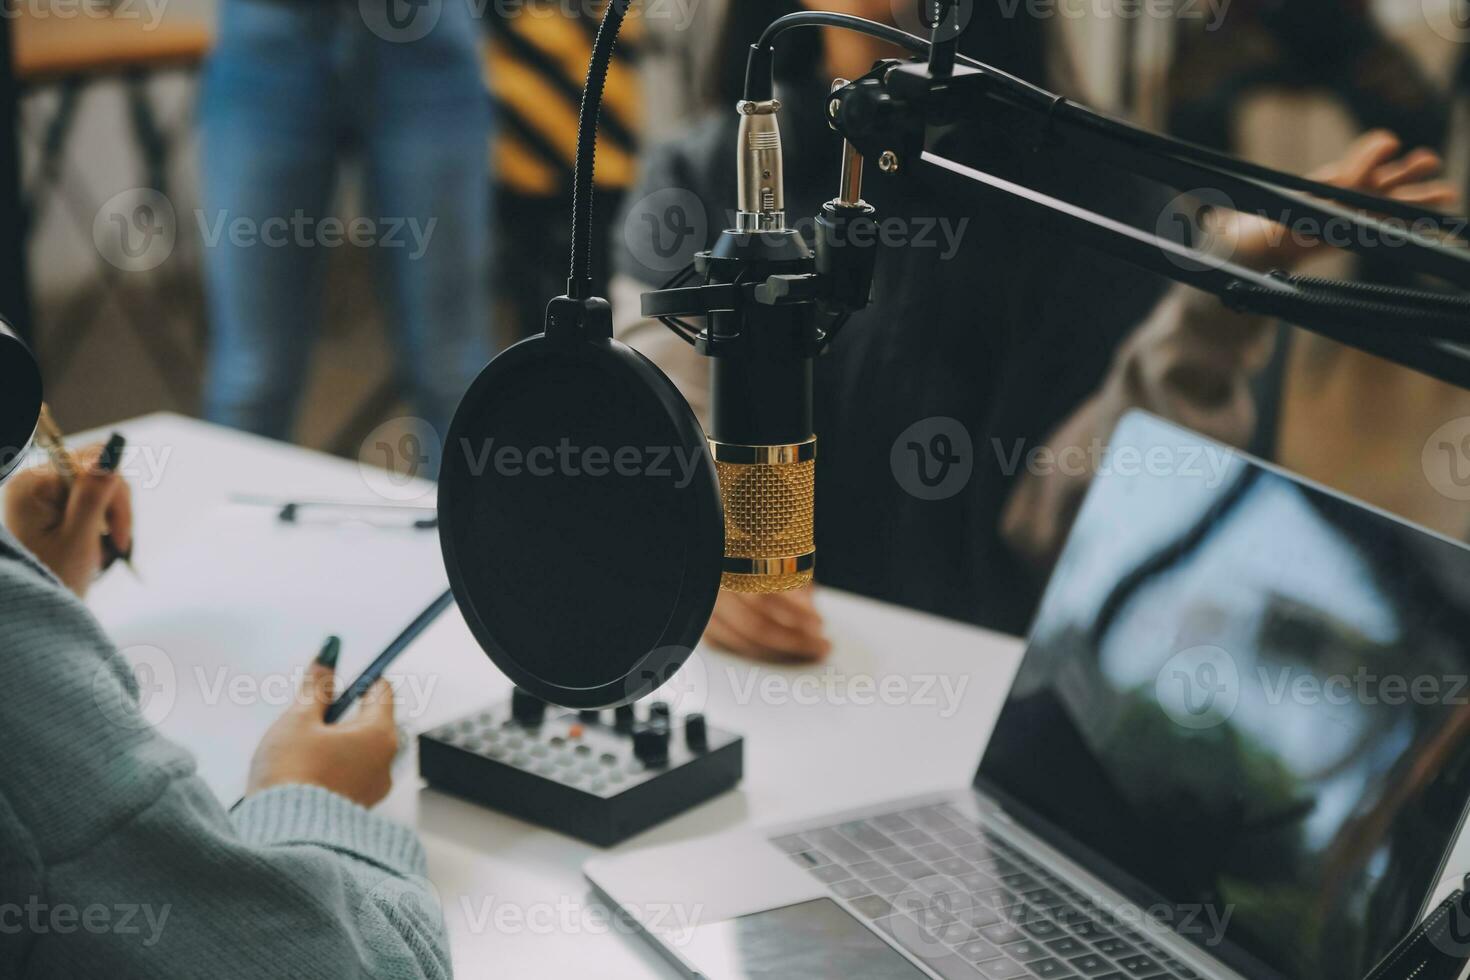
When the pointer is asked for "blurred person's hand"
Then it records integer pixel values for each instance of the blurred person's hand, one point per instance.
(64, 527)
(351, 758)
(775, 626)
(1374, 164)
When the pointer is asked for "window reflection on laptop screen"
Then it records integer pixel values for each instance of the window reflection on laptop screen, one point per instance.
(1247, 697)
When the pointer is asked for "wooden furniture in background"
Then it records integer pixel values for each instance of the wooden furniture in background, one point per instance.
(69, 55)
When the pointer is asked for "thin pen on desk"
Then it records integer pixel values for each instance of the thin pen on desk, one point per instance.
(49, 435)
(290, 511)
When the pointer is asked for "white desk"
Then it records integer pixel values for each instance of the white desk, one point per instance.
(232, 603)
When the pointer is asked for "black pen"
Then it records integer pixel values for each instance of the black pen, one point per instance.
(108, 462)
(369, 677)
(48, 434)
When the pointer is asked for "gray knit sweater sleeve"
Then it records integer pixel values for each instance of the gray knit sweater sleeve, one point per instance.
(116, 861)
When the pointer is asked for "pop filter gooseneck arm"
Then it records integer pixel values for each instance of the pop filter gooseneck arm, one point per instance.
(579, 285)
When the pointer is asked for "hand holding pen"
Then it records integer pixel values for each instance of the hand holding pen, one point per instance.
(352, 757)
(76, 516)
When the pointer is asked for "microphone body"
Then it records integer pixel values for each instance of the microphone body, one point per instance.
(761, 419)
(761, 379)
(771, 304)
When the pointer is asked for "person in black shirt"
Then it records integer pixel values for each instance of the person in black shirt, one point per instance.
(986, 335)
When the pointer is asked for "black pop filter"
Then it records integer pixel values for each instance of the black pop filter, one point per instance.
(20, 399)
(580, 520)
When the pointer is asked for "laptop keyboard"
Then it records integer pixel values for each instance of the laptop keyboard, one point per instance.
(970, 905)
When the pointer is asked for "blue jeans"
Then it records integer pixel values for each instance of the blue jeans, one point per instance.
(292, 90)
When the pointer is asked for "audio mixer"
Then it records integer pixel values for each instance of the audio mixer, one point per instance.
(601, 776)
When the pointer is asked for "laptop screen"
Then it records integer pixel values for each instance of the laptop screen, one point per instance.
(1244, 703)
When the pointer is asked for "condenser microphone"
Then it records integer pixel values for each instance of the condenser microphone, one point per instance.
(761, 434)
(771, 305)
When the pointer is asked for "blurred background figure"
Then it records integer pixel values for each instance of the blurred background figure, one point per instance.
(166, 146)
(293, 91)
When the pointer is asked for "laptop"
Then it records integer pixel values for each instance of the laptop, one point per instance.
(1237, 746)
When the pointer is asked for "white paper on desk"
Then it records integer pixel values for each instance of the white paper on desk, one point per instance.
(230, 612)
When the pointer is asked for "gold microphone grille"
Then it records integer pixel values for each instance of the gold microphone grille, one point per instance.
(769, 518)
